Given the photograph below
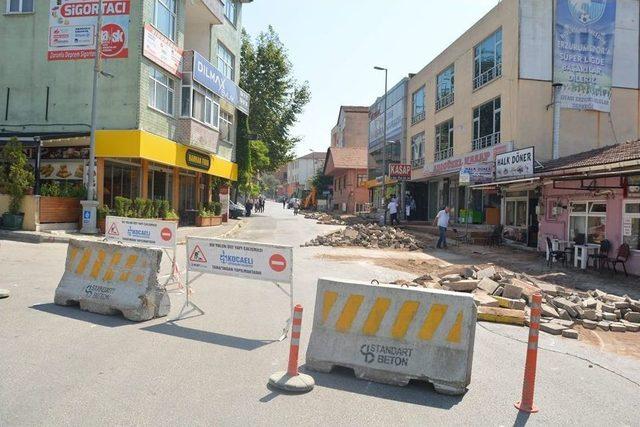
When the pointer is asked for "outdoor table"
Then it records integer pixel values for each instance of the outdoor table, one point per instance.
(582, 254)
(559, 245)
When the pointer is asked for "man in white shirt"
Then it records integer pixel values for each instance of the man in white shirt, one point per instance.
(393, 210)
(442, 220)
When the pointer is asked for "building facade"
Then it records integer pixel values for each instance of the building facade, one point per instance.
(396, 99)
(168, 96)
(301, 171)
(490, 92)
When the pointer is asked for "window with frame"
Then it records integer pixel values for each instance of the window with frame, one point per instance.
(362, 179)
(486, 124)
(19, 6)
(226, 61)
(164, 17)
(445, 88)
(587, 221)
(121, 179)
(161, 91)
(417, 106)
(516, 213)
(631, 224)
(231, 11)
(417, 150)
(226, 127)
(488, 60)
(200, 104)
(444, 140)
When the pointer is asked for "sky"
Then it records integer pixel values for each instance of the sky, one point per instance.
(334, 45)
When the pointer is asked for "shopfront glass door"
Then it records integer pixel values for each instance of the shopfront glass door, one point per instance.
(187, 199)
(160, 185)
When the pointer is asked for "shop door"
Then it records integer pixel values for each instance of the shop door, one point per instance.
(187, 206)
(533, 224)
(433, 200)
(420, 193)
(160, 185)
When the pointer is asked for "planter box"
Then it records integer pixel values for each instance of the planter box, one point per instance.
(59, 210)
(11, 221)
(216, 220)
(208, 221)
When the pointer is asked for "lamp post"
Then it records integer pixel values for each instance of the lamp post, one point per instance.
(90, 206)
(384, 142)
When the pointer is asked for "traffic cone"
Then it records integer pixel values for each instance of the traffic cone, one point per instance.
(528, 385)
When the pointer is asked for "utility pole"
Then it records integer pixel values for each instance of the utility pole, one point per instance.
(384, 146)
(557, 88)
(90, 206)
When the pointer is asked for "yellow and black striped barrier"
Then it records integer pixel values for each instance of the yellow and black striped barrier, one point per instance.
(391, 334)
(109, 278)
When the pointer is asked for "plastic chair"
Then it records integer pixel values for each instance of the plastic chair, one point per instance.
(621, 258)
(602, 255)
(555, 255)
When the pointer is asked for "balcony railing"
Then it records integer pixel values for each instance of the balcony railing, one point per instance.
(443, 154)
(487, 76)
(417, 163)
(417, 118)
(486, 141)
(444, 101)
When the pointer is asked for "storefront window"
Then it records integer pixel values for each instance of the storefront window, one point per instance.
(631, 224)
(587, 219)
(120, 179)
(160, 183)
(516, 213)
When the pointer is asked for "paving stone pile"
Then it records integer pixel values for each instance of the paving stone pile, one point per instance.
(368, 236)
(505, 297)
(324, 218)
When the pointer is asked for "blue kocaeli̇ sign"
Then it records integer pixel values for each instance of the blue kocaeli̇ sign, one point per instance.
(211, 78)
(583, 52)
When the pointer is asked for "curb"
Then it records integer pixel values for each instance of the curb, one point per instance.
(219, 236)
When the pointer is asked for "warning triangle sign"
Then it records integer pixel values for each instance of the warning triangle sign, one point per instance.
(197, 255)
(113, 230)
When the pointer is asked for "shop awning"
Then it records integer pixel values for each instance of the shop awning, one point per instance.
(145, 145)
(496, 184)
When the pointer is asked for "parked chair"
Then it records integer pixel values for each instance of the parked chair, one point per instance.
(555, 255)
(599, 259)
(621, 258)
(496, 235)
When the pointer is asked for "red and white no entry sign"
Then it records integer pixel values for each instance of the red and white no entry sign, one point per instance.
(166, 234)
(277, 262)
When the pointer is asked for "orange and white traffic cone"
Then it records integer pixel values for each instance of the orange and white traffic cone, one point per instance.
(291, 379)
(528, 385)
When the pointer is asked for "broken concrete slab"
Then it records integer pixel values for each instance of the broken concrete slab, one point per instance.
(552, 328)
(567, 323)
(488, 272)
(618, 327)
(621, 304)
(604, 325)
(589, 314)
(451, 278)
(609, 308)
(567, 305)
(514, 304)
(501, 315)
(589, 303)
(570, 333)
(549, 311)
(611, 317)
(631, 327)
(488, 285)
(512, 291)
(589, 324)
(498, 291)
(462, 285)
(564, 314)
(482, 299)
(632, 317)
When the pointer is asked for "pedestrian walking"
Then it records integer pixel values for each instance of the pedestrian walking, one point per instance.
(393, 210)
(442, 220)
(284, 202)
(248, 206)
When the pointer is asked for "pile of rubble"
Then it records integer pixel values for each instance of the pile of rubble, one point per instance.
(324, 218)
(505, 297)
(368, 236)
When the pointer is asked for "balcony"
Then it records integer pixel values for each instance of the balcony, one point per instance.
(488, 76)
(417, 163)
(417, 118)
(444, 101)
(443, 154)
(198, 135)
(204, 12)
(486, 141)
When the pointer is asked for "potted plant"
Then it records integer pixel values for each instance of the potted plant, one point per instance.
(122, 206)
(103, 211)
(16, 179)
(171, 215)
(216, 209)
(203, 219)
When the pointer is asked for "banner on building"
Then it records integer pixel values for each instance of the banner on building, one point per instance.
(515, 164)
(162, 51)
(400, 171)
(583, 53)
(72, 29)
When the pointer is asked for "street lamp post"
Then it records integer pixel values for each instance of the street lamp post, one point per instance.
(90, 206)
(384, 142)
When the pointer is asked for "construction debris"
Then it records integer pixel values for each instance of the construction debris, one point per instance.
(324, 218)
(505, 297)
(368, 236)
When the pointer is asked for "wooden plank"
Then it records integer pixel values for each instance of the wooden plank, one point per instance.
(59, 210)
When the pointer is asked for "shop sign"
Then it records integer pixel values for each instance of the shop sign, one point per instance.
(583, 53)
(633, 186)
(161, 50)
(211, 78)
(62, 170)
(400, 171)
(515, 164)
(198, 160)
(240, 259)
(476, 174)
(147, 232)
(475, 158)
(72, 29)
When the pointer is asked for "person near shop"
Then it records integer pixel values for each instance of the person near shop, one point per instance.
(442, 221)
(410, 207)
(296, 207)
(284, 203)
(248, 207)
(392, 207)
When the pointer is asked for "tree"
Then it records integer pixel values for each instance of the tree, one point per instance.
(277, 99)
(16, 177)
(321, 182)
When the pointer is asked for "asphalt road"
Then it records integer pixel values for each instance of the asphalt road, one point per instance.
(62, 366)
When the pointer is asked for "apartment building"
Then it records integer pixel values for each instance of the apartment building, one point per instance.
(346, 160)
(168, 95)
(301, 171)
(491, 92)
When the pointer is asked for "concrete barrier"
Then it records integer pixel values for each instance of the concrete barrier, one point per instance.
(391, 335)
(111, 278)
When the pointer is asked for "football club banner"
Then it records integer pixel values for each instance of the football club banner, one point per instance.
(583, 53)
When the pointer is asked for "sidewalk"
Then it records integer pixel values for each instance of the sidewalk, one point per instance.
(63, 236)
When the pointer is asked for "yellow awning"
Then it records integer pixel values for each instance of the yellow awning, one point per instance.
(145, 145)
(373, 183)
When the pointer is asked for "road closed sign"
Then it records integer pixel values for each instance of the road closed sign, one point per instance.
(259, 261)
(146, 232)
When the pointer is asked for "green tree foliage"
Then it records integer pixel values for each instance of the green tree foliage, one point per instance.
(321, 182)
(16, 176)
(277, 99)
